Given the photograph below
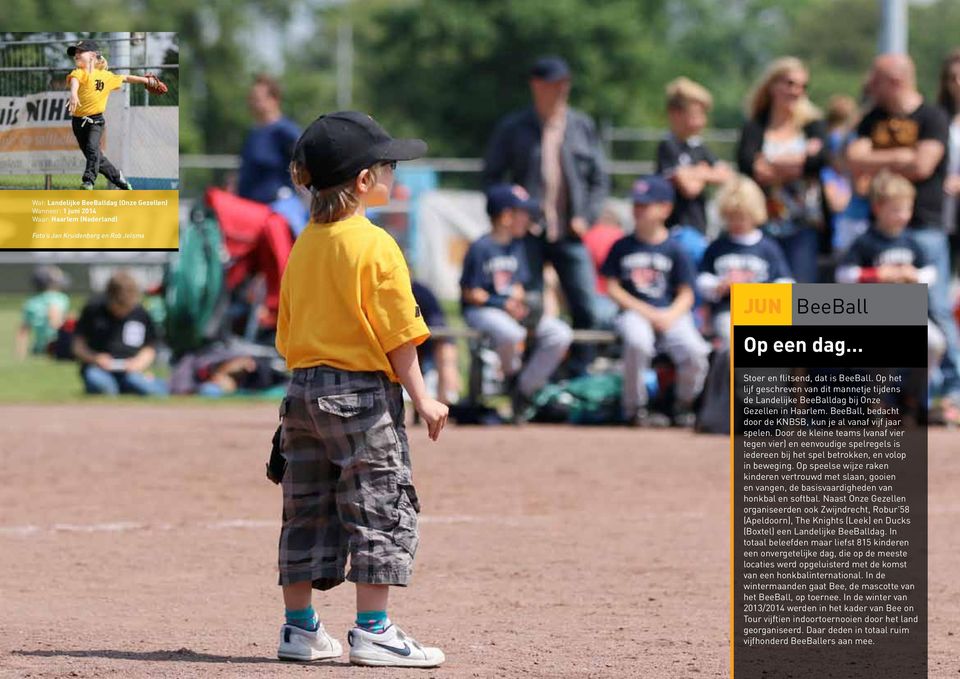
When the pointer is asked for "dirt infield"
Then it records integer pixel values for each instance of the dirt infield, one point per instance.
(141, 541)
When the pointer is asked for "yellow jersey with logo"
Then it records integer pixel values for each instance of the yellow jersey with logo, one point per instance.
(95, 88)
(346, 299)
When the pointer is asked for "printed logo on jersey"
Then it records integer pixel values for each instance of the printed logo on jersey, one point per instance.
(648, 272)
(742, 268)
(895, 132)
(895, 256)
(134, 333)
(98, 85)
(501, 270)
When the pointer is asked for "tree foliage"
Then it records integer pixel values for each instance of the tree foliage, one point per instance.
(446, 70)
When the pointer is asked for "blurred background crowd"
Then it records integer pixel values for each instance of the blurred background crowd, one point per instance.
(597, 112)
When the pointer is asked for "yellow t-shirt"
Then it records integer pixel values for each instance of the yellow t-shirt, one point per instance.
(95, 87)
(346, 299)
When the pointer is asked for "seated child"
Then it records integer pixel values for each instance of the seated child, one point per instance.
(495, 303)
(651, 278)
(44, 313)
(744, 254)
(115, 342)
(886, 253)
(438, 357)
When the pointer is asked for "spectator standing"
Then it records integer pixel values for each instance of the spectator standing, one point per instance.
(554, 152)
(847, 204)
(907, 136)
(949, 99)
(268, 148)
(783, 148)
(683, 157)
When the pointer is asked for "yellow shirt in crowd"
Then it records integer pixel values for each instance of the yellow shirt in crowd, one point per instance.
(95, 88)
(346, 299)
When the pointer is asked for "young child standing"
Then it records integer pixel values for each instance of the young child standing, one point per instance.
(494, 301)
(684, 159)
(886, 253)
(652, 280)
(348, 327)
(90, 87)
(744, 254)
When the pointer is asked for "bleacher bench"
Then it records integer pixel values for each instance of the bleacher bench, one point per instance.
(475, 343)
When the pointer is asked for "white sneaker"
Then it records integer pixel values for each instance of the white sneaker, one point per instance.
(301, 644)
(390, 647)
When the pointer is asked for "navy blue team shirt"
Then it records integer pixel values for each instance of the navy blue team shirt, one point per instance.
(873, 248)
(265, 160)
(495, 267)
(652, 273)
(762, 262)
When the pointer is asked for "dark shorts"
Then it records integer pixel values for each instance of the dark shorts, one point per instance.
(348, 488)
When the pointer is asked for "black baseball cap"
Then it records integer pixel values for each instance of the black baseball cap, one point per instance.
(550, 69)
(337, 146)
(83, 46)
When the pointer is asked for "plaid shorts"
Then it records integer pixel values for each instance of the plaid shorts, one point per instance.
(348, 488)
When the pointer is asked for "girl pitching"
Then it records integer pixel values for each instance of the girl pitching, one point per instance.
(90, 87)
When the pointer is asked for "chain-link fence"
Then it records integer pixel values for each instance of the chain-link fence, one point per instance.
(35, 66)
(41, 65)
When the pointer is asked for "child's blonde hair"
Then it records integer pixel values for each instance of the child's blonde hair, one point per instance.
(101, 62)
(887, 185)
(681, 92)
(333, 203)
(741, 194)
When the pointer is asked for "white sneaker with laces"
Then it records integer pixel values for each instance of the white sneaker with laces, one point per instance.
(300, 644)
(391, 647)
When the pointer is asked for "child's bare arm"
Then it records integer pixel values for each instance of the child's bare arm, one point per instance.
(74, 95)
(404, 361)
(689, 181)
(477, 296)
(21, 342)
(681, 305)
(718, 173)
(628, 301)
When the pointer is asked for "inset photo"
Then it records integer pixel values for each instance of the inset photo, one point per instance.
(82, 114)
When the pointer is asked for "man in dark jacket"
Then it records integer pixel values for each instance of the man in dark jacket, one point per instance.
(554, 152)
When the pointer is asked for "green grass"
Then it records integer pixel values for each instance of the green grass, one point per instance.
(39, 379)
(36, 378)
(59, 181)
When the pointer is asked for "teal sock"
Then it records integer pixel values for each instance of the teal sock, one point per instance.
(304, 618)
(372, 621)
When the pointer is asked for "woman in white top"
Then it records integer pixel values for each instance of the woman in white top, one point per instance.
(783, 148)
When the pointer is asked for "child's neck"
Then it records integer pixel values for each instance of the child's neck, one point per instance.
(890, 231)
(501, 234)
(748, 237)
(652, 234)
(683, 135)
